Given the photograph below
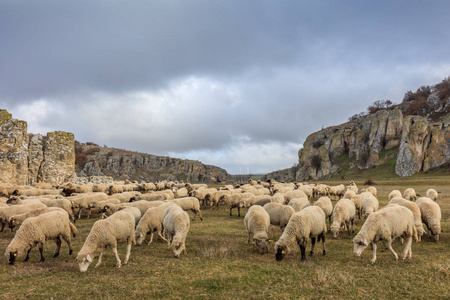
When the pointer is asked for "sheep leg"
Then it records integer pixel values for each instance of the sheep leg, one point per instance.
(69, 243)
(114, 250)
(58, 247)
(348, 228)
(389, 246)
(28, 255)
(323, 244)
(239, 211)
(79, 213)
(302, 246)
(353, 227)
(313, 244)
(374, 257)
(99, 260)
(89, 212)
(151, 238)
(160, 235)
(127, 255)
(41, 250)
(200, 215)
(3, 226)
(407, 253)
(230, 216)
(195, 214)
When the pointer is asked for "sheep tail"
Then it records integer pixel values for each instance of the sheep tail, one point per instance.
(73, 229)
(416, 237)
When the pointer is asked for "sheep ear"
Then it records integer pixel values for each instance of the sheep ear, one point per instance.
(89, 258)
(365, 242)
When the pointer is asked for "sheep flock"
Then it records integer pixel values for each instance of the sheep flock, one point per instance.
(129, 213)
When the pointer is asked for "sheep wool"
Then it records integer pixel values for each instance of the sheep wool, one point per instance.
(176, 227)
(36, 230)
(304, 224)
(343, 213)
(410, 194)
(431, 216)
(432, 194)
(257, 222)
(387, 224)
(152, 221)
(279, 214)
(325, 204)
(119, 227)
(416, 213)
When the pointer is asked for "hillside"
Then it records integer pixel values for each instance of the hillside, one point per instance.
(387, 142)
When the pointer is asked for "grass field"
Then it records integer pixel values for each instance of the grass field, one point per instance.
(220, 265)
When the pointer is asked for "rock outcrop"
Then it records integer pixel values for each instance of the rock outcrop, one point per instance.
(121, 164)
(25, 160)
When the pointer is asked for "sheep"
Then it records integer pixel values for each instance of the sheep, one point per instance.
(247, 202)
(176, 227)
(278, 198)
(343, 213)
(304, 224)
(234, 200)
(180, 192)
(325, 204)
(114, 189)
(146, 187)
(204, 195)
(36, 230)
(431, 216)
(369, 204)
(16, 220)
(410, 194)
(279, 214)
(119, 227)
(432, 194)
(395, 194)
(299, 203)
(7, 212)
(320, 190)
(338, 191)
(414, 208)
(61, 203)
(143, 205)
(257, 221)
(151, 197)
(134, 211)
(307, 190)
(357, 200)
(353, 188)
(152, 221)
(215, 199)
(370, 189)
(189, 203)
(387, 224)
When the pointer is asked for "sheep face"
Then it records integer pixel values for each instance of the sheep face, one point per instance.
(140, 237)
(262, 244)
(359, 244)
(12, 223)
(334, 231)
(177, 248)
(12, 255)
(84, 262)
(281, 252)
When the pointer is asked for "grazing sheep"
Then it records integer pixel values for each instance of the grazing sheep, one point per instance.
(36, 230)
(152, 221)
(279, 214)
(337, 191)
(143, 205)
(304, 224)
(325, 204)
(288, 196)
(432, 194)
(247, 202)
(410, 194)
(357, 200)
(189, 203)
(215, 199)
(386, 224)
(307, 190)
(299, 203)
(369, 205)
(370, 189)
(395, 194)
(414, 208)
(16, 220)
(257, 222)
(234, 200)
(431, 216)
(353, 188)
(180, 192)
(7, 212)
(119, 227)
(343, 213)
(176, 227)
(278, 198)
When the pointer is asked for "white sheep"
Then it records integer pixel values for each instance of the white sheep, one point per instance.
(278, 198)
(432, 194)
(299, 203)
(410, 194)
(357, 200)
(369, 205)
(395, 194)
(152, 221)
(343, 213)
(119, 227)
(325, 204)
(288, 196)
(414, 208)
(258, 200)
(304, 224)
(336, 191)
(176, 227)
(7, 212)
(189, 203)
(257, 222)
(16, 220)
(279, 214)
(370, 189)
(387, 224)
(36, 230)
(143, 205)
(431, 216)
(216, 198)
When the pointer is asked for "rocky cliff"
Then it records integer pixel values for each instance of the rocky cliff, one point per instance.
(414, 143)
(94, 160)
(26, 159)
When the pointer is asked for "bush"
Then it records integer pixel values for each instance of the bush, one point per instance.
(369, 182)
(80, 159)
(443, 88)
(93, 150)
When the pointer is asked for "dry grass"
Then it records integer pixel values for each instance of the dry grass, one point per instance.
(220, 265)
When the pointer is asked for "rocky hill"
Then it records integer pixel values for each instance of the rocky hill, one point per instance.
(93, 160)
(57, 158)
(413, 136)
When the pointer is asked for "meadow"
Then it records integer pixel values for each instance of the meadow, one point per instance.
(221, 265)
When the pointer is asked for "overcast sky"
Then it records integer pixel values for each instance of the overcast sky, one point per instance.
(236, 84)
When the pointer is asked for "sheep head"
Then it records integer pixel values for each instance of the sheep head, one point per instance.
(281, 251)
(359, 244)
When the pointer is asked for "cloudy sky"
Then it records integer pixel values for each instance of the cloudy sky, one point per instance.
(237, 84)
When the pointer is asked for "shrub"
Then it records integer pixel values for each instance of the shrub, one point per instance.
(91, 151)
(80, 159)
(443, 88)
(369, 182)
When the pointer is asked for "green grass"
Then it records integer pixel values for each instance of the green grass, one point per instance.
(220, 265)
